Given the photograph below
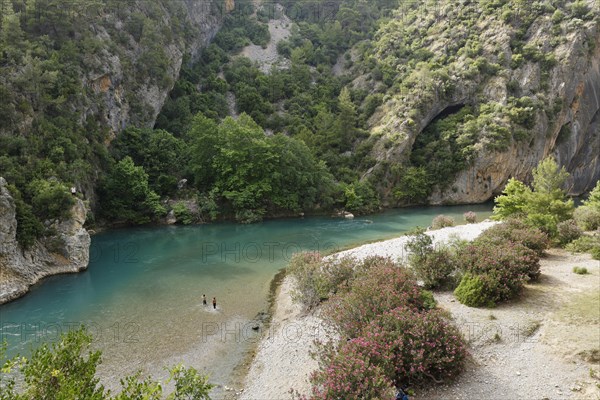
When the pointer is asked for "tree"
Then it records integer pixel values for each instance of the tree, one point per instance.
(544, 206)
(126, 196)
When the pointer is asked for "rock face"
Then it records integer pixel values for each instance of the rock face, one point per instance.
(112, 83)
(566, 120)
(66, 251)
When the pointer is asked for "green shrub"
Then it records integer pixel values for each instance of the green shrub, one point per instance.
(384, 287)
(317, 279)
(442, 221)
(515, 230)
(580, 270)
(51, 199)
(568, 231)
(435, 268)
(595, 252)
(67, 370)
(585, 244)
(587, 218)
(182, 213)
(471, 292)
(501, 269)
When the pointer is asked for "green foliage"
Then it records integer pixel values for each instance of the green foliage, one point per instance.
(254, 173)
(157, 151)
(471, 291)
(414, 186)
(67, 370)
(517, 231)
(29, 228)
(360, 197)
(182, 213)
(51, 199)
(544, 206)
(126, 195)
(442, 221)
(580, 270)
(586, 244)
(568, 231)
(588, 218)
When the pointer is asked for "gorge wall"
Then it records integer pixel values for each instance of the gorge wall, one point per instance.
(493, 58)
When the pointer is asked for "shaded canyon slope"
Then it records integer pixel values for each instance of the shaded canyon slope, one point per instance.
(133, 57)
(530, 73)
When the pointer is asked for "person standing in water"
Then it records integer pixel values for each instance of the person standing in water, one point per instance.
(214, 303)
(204, 299)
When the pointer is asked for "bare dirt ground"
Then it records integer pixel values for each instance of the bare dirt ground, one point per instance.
(267, 57)
(546, 345)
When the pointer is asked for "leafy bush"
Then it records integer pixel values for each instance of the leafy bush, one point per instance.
(500, 271)
(51, 199)
(400, 345)
(470, 217)
(587, 218)
(517, 231)
(580, 270)
(585, 244)
(435, 269)
(67, 370)
(385, 286)
(442, 221)
(568, 231)
(182, 213)
(595, 252)
(471, 291)
(317, 280)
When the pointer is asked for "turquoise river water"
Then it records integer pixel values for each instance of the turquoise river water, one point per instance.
(141, 295)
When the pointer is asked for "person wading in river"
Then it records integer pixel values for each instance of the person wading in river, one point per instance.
(204, 299)
(215, 303)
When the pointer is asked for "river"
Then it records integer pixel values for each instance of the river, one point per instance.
(141, 296)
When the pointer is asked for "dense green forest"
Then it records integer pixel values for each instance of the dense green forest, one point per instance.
(302, 141)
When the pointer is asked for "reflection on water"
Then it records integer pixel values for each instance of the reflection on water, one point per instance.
(141, 296)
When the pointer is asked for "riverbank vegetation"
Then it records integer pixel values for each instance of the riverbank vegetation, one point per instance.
(378, 311)
(67, 370)
(299, 140)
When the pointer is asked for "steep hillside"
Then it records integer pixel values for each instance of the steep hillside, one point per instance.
(72, 76)
(477, 92)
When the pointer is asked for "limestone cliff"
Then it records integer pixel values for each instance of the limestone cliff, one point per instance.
(491, 58)
(65, 251)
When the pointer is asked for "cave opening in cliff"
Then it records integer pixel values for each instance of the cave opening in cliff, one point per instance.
(436, 150)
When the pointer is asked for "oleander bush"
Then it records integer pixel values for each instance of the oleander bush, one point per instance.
(470, 217)
(568, 231)
(317, 278)
(383, 287)
(516, 230)
(400, 345)
(442, 221)
(495, 273)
